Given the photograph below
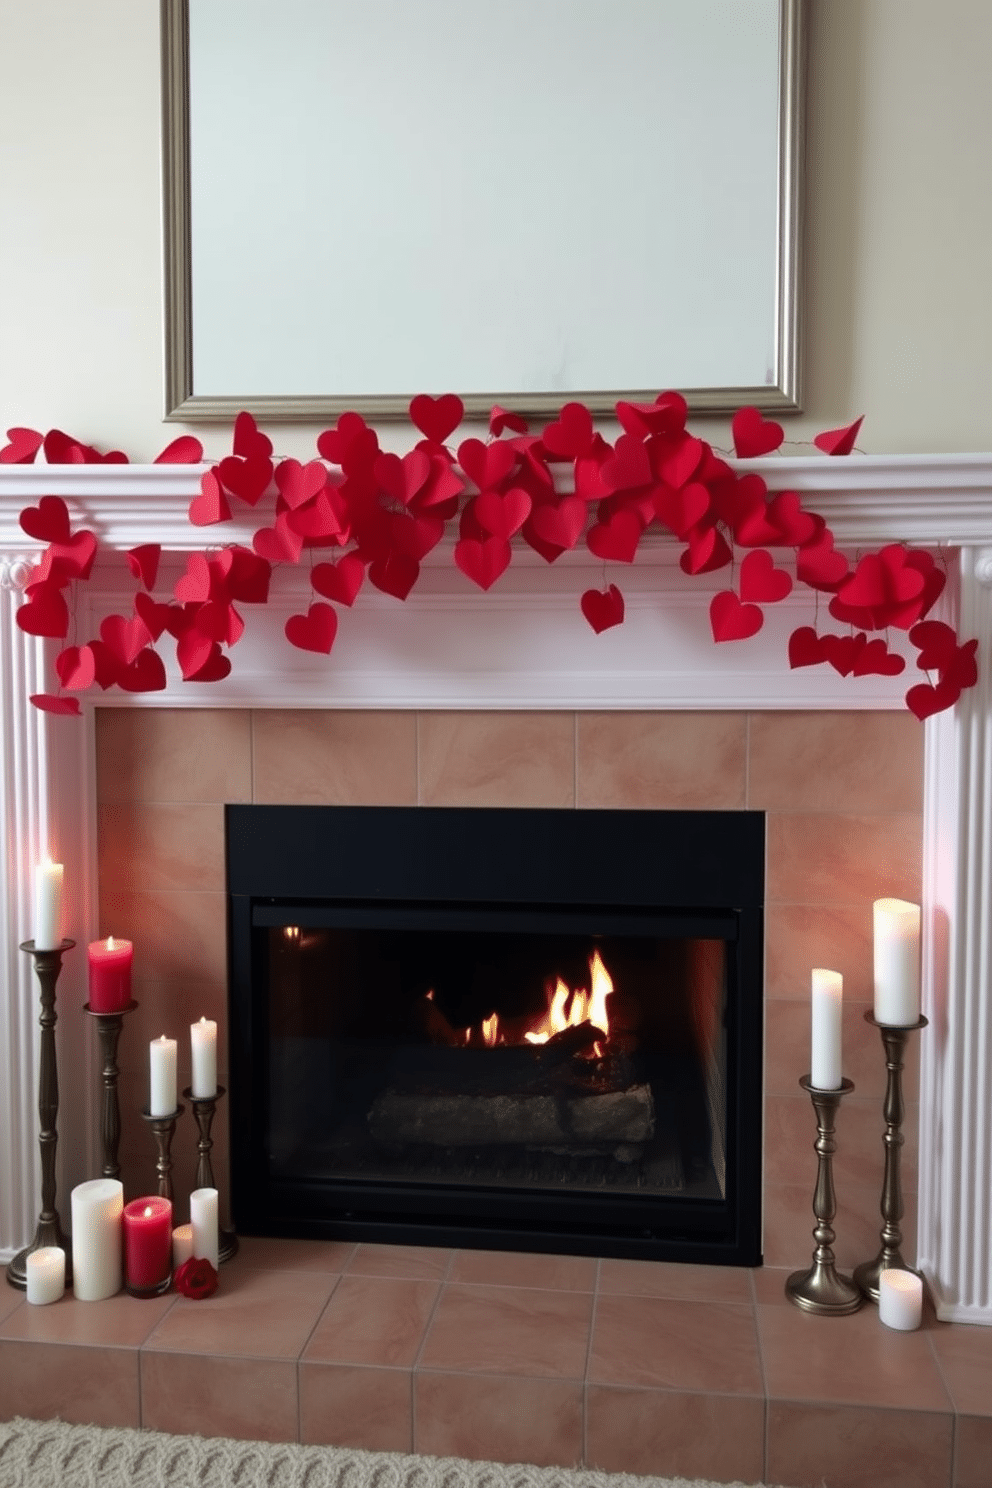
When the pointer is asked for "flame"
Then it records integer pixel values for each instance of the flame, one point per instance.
(291, 932)
(110, 942)
(490, 1031)
(568, 1009)
(149, 1211)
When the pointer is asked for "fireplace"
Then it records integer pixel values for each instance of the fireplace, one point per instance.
(519, 1028)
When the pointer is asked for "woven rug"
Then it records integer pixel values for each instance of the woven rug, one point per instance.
(51, 1454)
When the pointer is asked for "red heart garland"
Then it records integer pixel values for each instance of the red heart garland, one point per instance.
(74, 558)
(145, 674)
(792, 525)
(571, 435)
(76, 668)
(558, 524)
(197, 583)
(48, 521)
(436, 417)
(842, 651)
(962, 670)
(247, 478)
(680, 465)
(23, 447)
(820, 565)
(501, 419)
(395, 574)
(732, 621)
(603, 608)
(193, 651)
(666, 415)
(839, 441)
(278, 544)
(298, 483)
(314, 631)
(708, 550)
(182, 451)
(589, 479)
(216, 667)
(125, 638)
(616, 539)
(402, 478)
(754, 435)
(248, 575)
(351, 431)
(143, 562)
(50, 702)
(683, 510)
(155, 616)
(211, 505)
(340, 581)
(875, 659)
(502, 513)
(806, 648)
(249, 442)
(443, 485)
(486, 464)
(629, 467)
(45, 613)
(924, 700)
(760, 581)
(322, 522)
(483, 562)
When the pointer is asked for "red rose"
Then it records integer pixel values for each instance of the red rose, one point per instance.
(195, 1278)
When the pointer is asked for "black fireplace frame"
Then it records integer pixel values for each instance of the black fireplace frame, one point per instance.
(698, 868)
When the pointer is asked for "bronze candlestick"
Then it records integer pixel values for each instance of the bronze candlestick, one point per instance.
(164, 1129)
(47, 965)
(894, 1038)
(108, 1027)
(822, 1289)
(204, 1109)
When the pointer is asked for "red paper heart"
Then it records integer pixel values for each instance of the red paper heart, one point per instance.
(559, 524)
(501, 419)
(23, 447)
(603, 608)
(589, 482)
(125, 638)
(278, 544)
(314, 631)
(820, 566)
(50, 702)
(571, 435)
(216, 667)
(246, 478)
(76, 668)
(436, 417)
(761, 582)
(707, 551)
(182, 451)
(219, 621)
(882, 579)
(74, 558)
(193, 650)
(732, 621)
(924, 700)
(875, 659)
(666, 415)
(248, 575)
(155, 616)
(486, 464)
(145, 674)
(395, 574)
(483, 562)
(340, 581)
(321, 522)
(48, 521)
(143, 562)
(211, 505)
(962, 669)
(45, 613)
(683, 510)
(792, 525)
(298, 483)
(936, 642)
(197, 582)
(806, 648)
(502, 513)
(351, 438)
(249, 442)
(842, 651)
(442, 485)
(616, 539)
(402, 478)
(414, 536)
(62, 449)
(681, 464)
(628, 467)
(753, 434)
(839, 441)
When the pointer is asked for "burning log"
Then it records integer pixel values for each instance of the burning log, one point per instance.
(581, 1123)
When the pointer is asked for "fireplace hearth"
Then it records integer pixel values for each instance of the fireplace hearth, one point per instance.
(501, 1028)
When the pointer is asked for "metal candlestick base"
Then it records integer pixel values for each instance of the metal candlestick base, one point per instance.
(822, 1289)
(164, 1128)
(204, 1109)
(866, 1275)
(47, 965)
(108, 1027)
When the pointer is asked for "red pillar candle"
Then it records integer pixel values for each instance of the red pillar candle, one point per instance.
(147, 1243)
(110, 975)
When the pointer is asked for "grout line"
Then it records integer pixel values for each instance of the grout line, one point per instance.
(585, 1372)
(423, 1343)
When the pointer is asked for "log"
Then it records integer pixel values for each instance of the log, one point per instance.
(583, 1123)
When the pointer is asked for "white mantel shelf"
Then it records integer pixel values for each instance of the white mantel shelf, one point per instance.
(525, 645)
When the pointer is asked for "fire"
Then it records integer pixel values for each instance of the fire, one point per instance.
(568, 1009)
(490, 1031)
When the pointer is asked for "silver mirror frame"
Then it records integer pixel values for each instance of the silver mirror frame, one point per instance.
(183, 404)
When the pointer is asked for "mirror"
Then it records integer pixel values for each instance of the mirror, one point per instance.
(526, 203)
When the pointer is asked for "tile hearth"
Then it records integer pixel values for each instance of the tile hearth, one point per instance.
(626, 1366)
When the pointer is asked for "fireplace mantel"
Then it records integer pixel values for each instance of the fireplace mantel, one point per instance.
(526, 646)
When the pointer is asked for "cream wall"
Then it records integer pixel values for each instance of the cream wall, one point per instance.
(899, 318)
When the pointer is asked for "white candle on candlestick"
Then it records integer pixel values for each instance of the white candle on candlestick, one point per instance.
(45, 1275)
(827, 1010)
(203, 1042)
(162, 1100)
(47, 927)
(897, 962)
(203, 1213)
(900, 1299)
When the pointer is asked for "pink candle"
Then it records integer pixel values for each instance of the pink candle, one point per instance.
(147, 1243)
(110, 975)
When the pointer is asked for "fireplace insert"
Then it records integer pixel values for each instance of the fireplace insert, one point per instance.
(528, 1029)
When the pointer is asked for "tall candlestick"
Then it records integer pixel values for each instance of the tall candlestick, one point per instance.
(162, 1101)
(110, 975)
(827, 1009)
(897, 963)
(47, 926)
(97, 1249)
(203, 1042)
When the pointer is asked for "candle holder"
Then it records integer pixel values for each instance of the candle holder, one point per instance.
(47, 965)
(108, 1027)
(204, 1109)
(894, 1038)
(822, 1289)
(164, 1129)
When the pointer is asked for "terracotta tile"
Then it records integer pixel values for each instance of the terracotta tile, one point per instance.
(965, 1357)
(176, 933)
(789, 1221)
(373, 1320)
(769, 1284)
(117, 1322)
(790, 1132)
(173, 754)
(495, 1419)
(835, 762)
(418, 1262)
(345, 1406)
(265, 1314)
(851, 1360)
(681, 761)
(697, 1346)
(294, 1255)
(87, 1386)
(787, 1051)
(972, 1451)
(801, 936)
(515, 1268)
(311, 757)
(170, 1007)
(834, 858)
(249, 1399)
(10, 1299)
(670, 1433)
(161, 845)
(509, 1330)
(497, 759)
(856, 1447)
(686, 1283)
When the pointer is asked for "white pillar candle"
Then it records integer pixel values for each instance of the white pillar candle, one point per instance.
(46, 1274)
(97, 1239)
(47, 927)
(182, 1245)
(897, 962)
(827, 1010)
(900, 1299)
(203, 1042)
(204, 1223)
(162, 1100)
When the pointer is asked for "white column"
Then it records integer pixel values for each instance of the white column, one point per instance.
(955, 1199)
